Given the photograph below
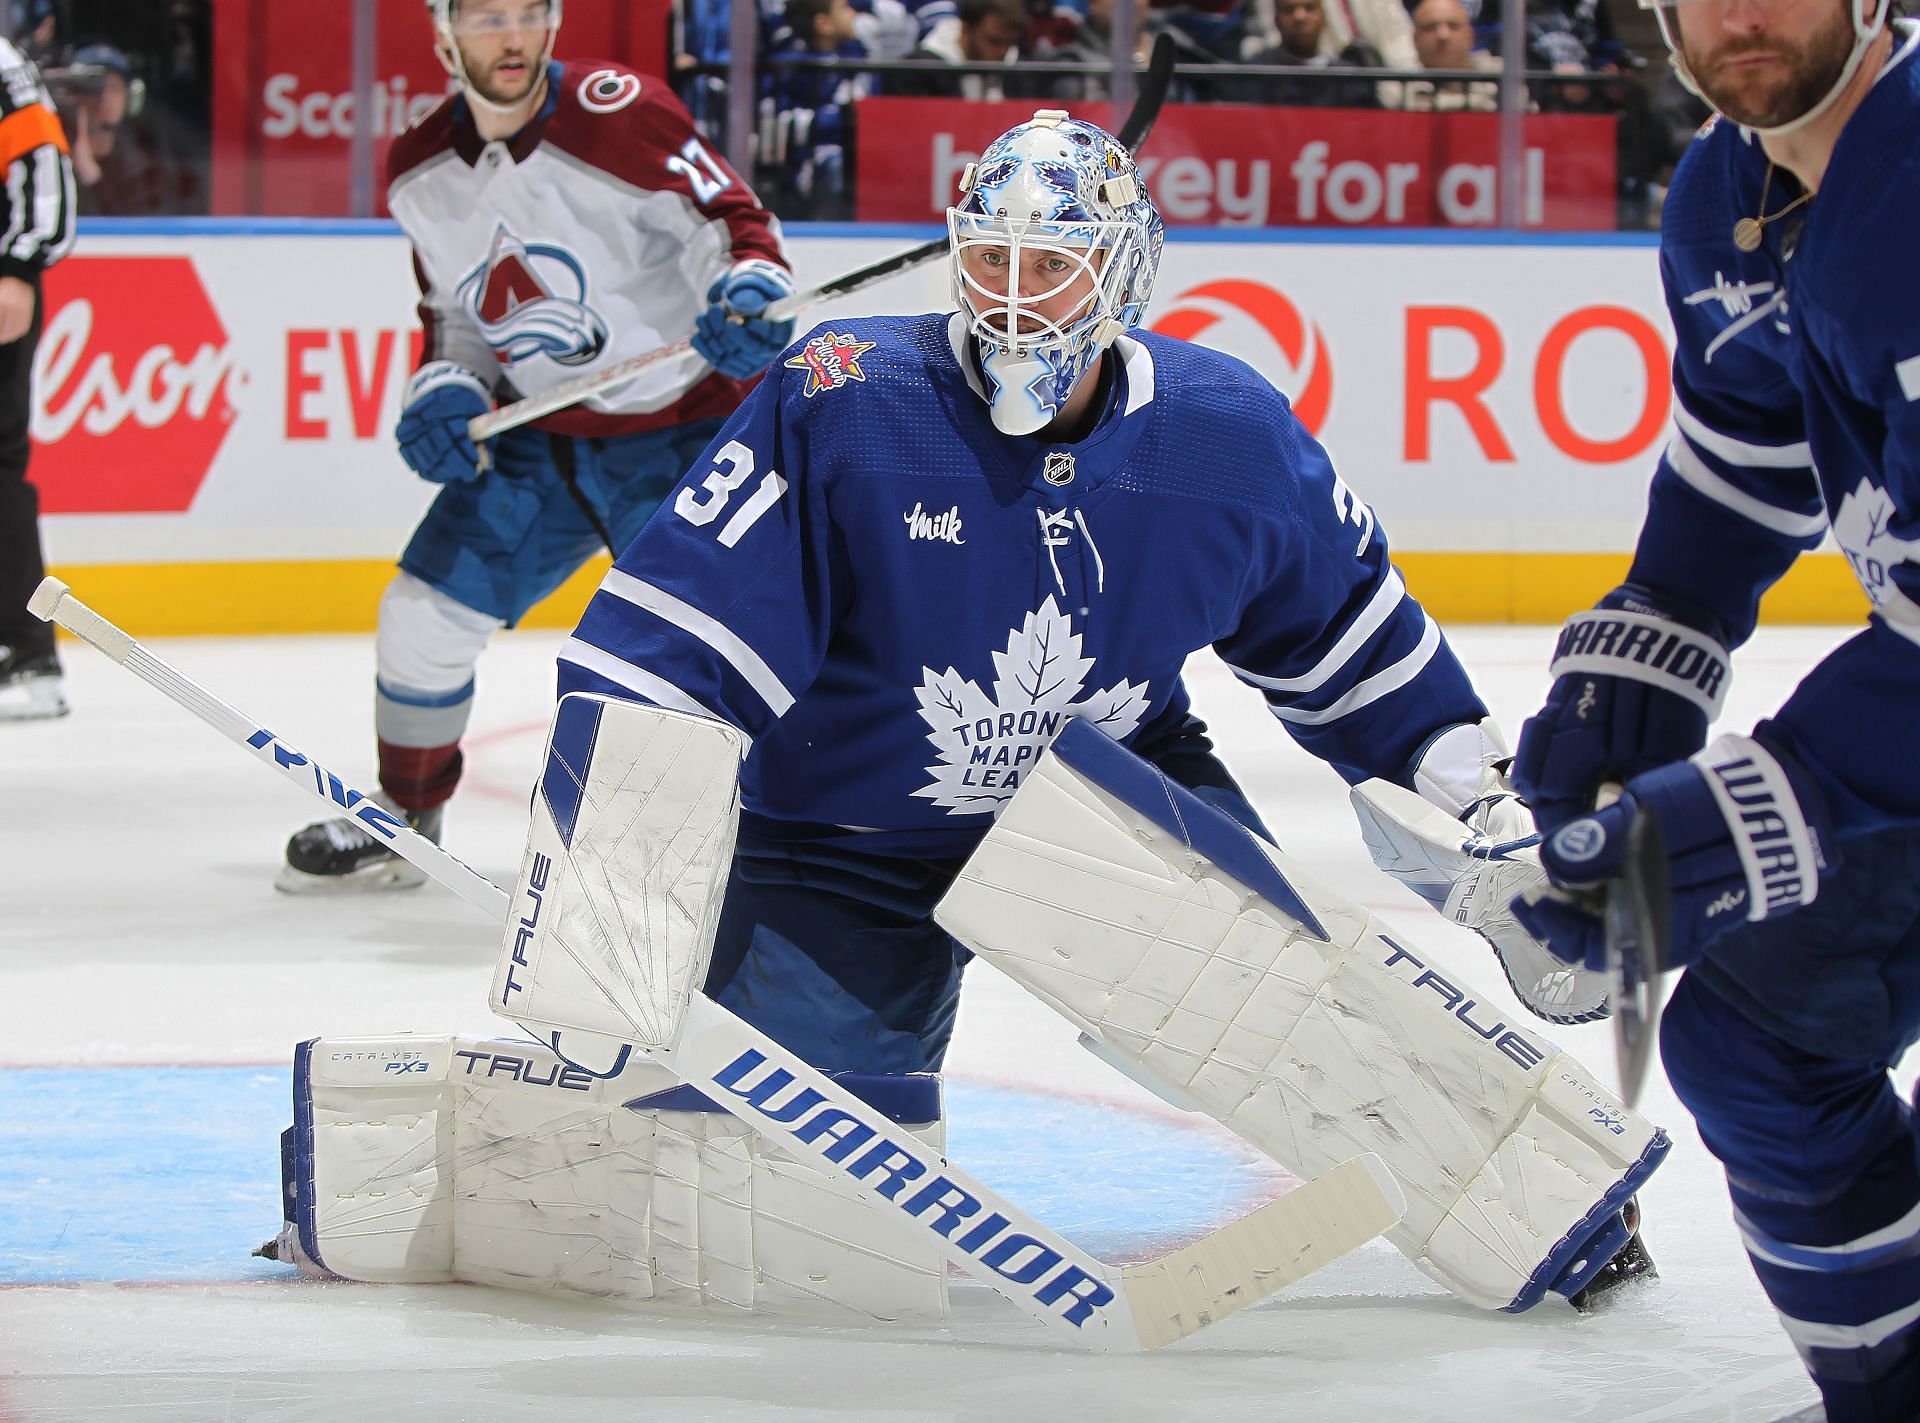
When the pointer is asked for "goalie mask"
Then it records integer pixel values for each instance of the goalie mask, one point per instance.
(1054, 248)
(448, 22)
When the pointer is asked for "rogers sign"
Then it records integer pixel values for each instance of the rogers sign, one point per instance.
(131, 386)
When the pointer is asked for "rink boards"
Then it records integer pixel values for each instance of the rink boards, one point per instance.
(215, 402)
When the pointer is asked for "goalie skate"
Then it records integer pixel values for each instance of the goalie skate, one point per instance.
(342, 856)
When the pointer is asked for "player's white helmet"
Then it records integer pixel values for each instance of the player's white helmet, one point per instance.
(1869, 19)
(445, 15)
(1069, 191)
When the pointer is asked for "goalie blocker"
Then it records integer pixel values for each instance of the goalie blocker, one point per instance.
(1205, 964)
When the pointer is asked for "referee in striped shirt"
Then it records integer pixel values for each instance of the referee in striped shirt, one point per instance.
(38, 209)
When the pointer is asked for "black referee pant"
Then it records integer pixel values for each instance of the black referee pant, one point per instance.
(21, 563)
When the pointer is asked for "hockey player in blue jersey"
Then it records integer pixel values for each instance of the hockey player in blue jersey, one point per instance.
(924, 544)
(1794, 852)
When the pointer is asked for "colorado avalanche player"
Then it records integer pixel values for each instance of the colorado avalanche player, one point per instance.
(563, 216)
(1793, 852)
(924, 545)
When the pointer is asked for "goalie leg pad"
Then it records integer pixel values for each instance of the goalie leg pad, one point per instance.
(1239, 984)
(433, 1159)
(612, 921)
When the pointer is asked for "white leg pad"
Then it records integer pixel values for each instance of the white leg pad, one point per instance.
(1289, 1015)
(417, 1159)
(612, 921)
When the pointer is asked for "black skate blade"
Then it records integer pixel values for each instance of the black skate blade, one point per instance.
(1638, 924)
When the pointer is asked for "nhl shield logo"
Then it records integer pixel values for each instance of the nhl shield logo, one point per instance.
(830, 361)
(1058, 469)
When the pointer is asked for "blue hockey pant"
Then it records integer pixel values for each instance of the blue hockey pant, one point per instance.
(1780, 1043)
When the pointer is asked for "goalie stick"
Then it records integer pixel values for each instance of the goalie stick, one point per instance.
(1111, 1308)
(1133, 133)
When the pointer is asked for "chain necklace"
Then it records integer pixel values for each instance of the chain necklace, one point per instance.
(1749, 231)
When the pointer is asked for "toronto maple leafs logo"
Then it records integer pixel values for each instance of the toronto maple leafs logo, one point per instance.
(1863, 529)
(989, 743)
(830, 361)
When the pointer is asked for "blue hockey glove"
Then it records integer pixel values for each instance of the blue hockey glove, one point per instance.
(733, 333)
(1747, 838)
(1634, 687)
(439, 401)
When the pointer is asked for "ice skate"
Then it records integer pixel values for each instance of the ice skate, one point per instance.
(1630, 1264)
(30, 687)
(342, 856)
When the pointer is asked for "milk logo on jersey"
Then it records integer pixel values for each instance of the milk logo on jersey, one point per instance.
(943, 527)
(990, 740)
(1862, 528)
(830, 361)
(530, 299)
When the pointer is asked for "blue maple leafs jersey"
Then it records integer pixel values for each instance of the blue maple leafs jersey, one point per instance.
(901, 605)
(1796, 411)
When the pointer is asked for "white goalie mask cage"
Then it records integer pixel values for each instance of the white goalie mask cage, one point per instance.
(445, 13)
(1869, 19)
(1068, 191)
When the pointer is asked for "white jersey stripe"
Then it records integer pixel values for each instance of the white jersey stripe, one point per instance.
(1687, 463)
(1371, 690)
(1739, 452)
(1385, 599)
(1810, 1335)
(687, 618)
(637, 680)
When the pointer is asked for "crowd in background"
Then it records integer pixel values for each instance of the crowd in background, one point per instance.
(133, 86)
(1274, 48)
(132, 78)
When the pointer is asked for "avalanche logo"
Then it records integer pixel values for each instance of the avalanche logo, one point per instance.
(1305, 370)
(988, 743)
(830, 361)
(529, 299)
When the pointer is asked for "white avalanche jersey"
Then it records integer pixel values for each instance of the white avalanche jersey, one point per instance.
(588, 238)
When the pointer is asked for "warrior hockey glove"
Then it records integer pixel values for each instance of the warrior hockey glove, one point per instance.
(1747, 838)
(440, 399)
(733, 333)
(1634, 687)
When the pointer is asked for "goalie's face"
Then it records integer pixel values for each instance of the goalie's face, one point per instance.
(1033, 290)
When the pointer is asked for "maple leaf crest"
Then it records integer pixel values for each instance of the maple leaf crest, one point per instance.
(1863, 528)
(988, 743)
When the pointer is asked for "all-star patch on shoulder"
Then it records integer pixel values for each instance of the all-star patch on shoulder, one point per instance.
(830, 361)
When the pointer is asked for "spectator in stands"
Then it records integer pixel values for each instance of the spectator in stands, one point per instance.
(1090, 42)
(99, 98)
(39, 31)
(1443, 38)
(1381, 25)
(1303, 29)
(806, 127)
(982, 32)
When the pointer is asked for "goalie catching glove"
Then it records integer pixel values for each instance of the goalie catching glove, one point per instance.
(1466, 844)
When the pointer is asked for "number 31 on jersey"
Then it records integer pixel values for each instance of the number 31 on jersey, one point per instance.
(732, 468)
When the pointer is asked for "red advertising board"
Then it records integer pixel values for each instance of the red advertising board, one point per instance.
(131, 386)
(283, 101)
(1245, 166)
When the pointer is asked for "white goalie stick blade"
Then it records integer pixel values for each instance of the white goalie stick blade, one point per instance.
(789, 1102)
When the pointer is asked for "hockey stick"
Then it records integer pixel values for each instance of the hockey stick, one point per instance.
(1638, 919)
(1133, 133)
(788, 1101)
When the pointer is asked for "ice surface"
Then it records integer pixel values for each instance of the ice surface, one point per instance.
(155, 982)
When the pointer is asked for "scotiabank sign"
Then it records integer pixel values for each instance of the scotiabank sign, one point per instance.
(284, 103)
(1244, 166)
